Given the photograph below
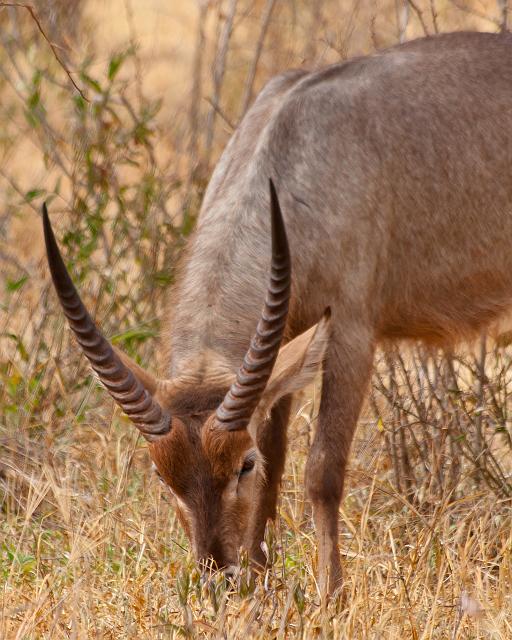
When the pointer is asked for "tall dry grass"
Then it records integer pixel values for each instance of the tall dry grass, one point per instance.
(89, 547)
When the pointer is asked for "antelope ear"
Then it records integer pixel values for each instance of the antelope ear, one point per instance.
(148, 381)
(298, 362)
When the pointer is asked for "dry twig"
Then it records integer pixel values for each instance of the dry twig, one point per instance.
(218, 76)
(249, 83)
(52, 46)
(419, 14)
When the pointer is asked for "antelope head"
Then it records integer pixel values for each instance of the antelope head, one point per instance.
(207, 456)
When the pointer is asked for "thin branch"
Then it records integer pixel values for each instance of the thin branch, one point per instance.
(433, 12)
(218, 76)
(133, 43)
(23, 195)
(195, 102)
(402, 19)
(53, 47)
(419, 13)
(316, 26)
(373, 33)
(249, 83)
(504, 14)
(221, 113)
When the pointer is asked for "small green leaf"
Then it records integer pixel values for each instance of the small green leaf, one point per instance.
(299, 598)
(94, 84)
(137, 333)
(80, 103)
(15, 285)
(33, 194)
(19, 344)
(188, 223)
(162, 278)
(115, 65)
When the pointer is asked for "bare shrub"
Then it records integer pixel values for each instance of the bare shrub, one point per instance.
(444, 419)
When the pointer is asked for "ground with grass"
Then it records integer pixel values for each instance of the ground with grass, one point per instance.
(91, 548)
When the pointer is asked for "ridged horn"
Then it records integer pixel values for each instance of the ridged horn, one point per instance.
(120, 382)
(245, 393)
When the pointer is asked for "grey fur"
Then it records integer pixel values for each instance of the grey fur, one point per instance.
(394, 173)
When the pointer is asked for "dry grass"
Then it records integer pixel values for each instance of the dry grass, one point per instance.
(89, 547)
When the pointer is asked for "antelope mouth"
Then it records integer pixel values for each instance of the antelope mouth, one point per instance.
(231, 571)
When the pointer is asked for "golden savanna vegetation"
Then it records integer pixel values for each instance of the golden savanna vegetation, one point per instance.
(115, 114)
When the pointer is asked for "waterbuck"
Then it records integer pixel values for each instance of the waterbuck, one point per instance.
(394, 175)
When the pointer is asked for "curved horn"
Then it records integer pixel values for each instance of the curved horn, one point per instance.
(245, 393)
(121, 383)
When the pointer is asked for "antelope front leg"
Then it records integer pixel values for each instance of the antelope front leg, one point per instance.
(272, 444)
(345, 379)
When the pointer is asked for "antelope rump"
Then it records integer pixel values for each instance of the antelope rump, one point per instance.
(394, 176)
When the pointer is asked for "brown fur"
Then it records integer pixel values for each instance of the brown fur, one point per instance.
(220, 507)
(200, 463)
(394, 173)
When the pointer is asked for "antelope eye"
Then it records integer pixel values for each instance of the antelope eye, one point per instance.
(247, 466)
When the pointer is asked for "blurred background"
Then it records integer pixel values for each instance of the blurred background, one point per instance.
(115, 113)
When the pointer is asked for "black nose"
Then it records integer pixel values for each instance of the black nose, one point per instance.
(211, 556)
